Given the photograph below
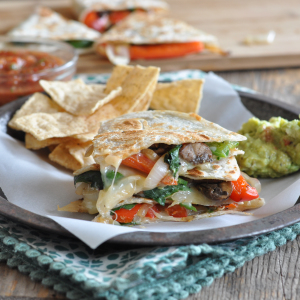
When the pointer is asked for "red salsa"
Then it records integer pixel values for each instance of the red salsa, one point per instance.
(20, 72)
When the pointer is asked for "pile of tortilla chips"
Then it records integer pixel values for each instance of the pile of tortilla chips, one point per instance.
(68, 118)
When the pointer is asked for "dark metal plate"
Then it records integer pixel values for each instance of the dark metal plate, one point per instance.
(261, 106)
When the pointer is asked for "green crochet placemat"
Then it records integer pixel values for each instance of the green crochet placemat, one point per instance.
(116, 272)
(68, 266)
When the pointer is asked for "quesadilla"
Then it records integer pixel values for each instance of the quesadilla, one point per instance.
(103, 14)
(163, 166)
(46, 23)
(152, 36)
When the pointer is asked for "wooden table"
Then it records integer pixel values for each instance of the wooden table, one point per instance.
(271, 276)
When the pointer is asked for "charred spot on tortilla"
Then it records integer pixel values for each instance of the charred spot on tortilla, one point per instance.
(204, 136)
(195, 172)
(133, 124)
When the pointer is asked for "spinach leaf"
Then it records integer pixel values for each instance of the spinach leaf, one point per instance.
(128, 224)
(110, 177)
(160, 194)
(92, 177)
(182, 181)
(80, 44)
(188, 206)
(126, 206)
(172, 158)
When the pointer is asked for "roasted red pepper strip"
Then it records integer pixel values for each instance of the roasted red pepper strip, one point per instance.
(142, 163)
(139, 162)
(169, 180)
(126, 215)
(117, 16)
(164, 50)
(92, 20)
(150, 213)
(177, 211)
(242, 190)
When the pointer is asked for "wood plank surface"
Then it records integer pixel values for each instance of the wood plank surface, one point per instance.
(231, 21)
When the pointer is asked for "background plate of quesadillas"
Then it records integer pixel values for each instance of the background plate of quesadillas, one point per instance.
(220, 234)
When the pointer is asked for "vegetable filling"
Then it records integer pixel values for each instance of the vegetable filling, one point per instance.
(152, 184)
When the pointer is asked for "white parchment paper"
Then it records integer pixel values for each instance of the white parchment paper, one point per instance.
(30, 181)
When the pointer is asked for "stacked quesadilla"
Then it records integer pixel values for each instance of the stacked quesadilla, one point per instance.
(46, 23)
(102, 14)
(152, 36)
(163, 166)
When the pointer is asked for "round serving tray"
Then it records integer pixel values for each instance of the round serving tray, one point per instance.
(261, 106)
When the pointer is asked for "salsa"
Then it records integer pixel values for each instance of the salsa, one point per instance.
(20, 72)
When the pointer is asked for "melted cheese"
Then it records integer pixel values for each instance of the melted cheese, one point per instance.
(111, 195)
(118, 192)
(118, 54)
(197, 198)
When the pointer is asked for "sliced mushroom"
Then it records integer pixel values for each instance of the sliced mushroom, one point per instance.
(160, 148)
(215, 191)
(196, 153)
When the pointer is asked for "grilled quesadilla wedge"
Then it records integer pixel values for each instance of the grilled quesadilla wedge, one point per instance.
(152, 36)
(163, 166)
(103, 14)
(46, 23)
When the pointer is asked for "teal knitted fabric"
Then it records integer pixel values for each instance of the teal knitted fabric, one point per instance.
(68, 266)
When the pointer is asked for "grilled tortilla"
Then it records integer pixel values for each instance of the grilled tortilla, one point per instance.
(46, 23)
(161, 165)
(150, 32)
(102, 14)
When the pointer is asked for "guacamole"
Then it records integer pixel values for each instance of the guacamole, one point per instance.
(272, 148)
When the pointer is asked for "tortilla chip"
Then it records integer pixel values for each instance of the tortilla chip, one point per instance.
(184, 95)
(136, 88)
(44, 126)
(36, 103)
(32, 143)
(117, 77)
(144, 104)
(62, 156)
(78, 98)
(77, 150)
(71, 155)
(84, 137)
(51, 147)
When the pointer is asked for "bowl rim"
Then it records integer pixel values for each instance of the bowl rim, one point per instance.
(60, 44)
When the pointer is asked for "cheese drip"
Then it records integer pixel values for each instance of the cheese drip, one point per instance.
(111, 195)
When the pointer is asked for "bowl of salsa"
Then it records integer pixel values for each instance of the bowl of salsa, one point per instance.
(25, 61)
